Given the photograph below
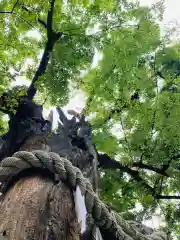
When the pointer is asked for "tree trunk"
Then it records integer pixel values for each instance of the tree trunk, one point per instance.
(36, 207)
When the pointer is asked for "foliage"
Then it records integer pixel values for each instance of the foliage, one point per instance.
(134, 89)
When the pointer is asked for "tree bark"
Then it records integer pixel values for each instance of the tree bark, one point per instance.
(36, 207)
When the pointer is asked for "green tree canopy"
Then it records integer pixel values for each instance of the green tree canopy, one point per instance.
(132, 94)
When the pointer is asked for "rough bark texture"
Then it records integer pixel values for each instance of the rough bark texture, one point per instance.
(36, 207)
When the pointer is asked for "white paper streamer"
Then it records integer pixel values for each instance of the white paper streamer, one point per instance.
(98, 234)
(80, 208)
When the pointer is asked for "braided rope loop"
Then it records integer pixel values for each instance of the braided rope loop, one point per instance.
(112, 221)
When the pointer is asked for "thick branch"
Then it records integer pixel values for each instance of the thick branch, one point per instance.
(50, 17)
(149, 167)
(52, 39)
(168, 197)
(106, 162)
(41, 69)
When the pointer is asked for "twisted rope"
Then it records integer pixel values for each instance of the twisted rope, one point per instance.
(112, 221)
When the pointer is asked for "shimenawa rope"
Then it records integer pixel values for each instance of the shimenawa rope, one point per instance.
(111, 221)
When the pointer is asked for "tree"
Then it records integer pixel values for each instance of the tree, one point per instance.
(122, 92)
(134, 93)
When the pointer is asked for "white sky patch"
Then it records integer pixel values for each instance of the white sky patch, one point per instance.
(138, 207)
(91, 116)
(5, 118)
(34, 34)
(154, 134)
(171, 11)
(40, 54)
(155, 222)
(160, 83)
(142, 98)
(46, 113)
(93, 30)
(97, 57)
(127, 177)
(117, 130)
(28, 62)
(20, 80)
(76, 103)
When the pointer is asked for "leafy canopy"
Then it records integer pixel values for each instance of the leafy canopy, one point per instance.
(132, 93)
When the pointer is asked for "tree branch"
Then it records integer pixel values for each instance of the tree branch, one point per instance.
(50, 17)
(106, 162)
(39, 20)
(14, 6)
(11, 12)
(42, 23)
(52, 37)
(8, 12)
(167, 197)
(149, 167)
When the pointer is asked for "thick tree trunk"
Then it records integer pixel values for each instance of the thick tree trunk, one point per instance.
(36, 207)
